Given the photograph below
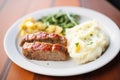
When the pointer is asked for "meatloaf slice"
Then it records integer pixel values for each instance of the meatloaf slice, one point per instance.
(44, 37)
(45, 51)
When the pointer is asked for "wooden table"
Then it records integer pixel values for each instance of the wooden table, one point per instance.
(11, 10)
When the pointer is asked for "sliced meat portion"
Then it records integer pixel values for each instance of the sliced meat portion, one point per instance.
(44, 51)
(44, 37)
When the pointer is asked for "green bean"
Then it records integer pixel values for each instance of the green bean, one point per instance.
(61, 19)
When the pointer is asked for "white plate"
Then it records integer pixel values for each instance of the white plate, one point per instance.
(63, 68)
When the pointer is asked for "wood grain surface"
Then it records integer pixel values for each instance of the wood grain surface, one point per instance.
(12, 10)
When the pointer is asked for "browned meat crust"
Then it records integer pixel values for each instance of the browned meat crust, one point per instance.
(45, 51)
(44, 46)
(44, 37)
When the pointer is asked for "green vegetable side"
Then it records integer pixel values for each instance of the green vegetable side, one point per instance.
(61, 19)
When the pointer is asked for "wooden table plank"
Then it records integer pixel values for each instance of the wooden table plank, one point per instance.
(6, 20)
(3, 57)
(104, 7)
(8, 15)
(38, 5)
(17, 73)
(2, 4)
(5, 70)
(66, 3)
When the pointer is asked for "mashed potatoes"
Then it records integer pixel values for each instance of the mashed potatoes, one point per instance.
(86, 42)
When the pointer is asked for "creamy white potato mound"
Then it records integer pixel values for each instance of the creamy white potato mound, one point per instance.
(86, 42)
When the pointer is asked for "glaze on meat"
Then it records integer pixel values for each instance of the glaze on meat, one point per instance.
(44, 46)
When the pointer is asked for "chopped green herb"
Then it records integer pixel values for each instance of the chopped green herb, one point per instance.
(97, 35)
(91, 34)
(90, 43)
(76, 44)
(47, 63)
